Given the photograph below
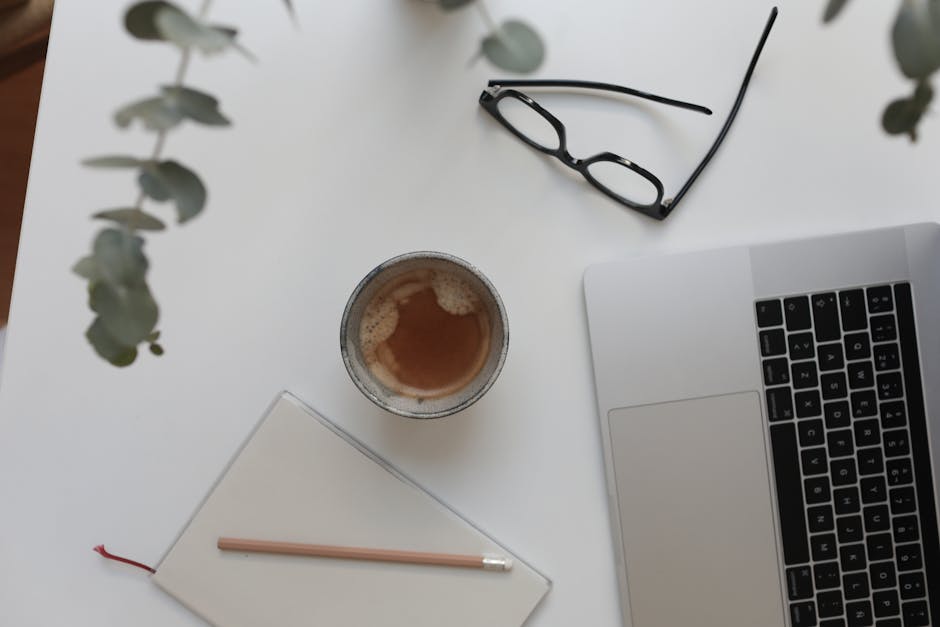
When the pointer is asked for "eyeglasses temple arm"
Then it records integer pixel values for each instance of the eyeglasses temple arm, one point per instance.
(600, 87)
(666, 209)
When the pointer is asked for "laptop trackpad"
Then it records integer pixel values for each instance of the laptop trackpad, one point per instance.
(695, 510)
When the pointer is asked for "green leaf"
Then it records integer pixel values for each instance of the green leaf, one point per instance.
(155, 113)
(109, 348)
(833, 9)
(87, 268)
(113, 161)
(140, 19)
(156, 349)
(153, 337)
(916, 39)
(120, 257)
(514, 46)
(128, 313)
(195, 105)
(903, 115)
(169, 179)
(450, 5)
(133, 218)
(185, 31)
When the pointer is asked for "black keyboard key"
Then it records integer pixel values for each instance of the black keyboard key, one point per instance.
(826, 317)
(796, 311)
(832, 622)
(817, 490)
(883, 329)
(867, 433)
(873, 490)
(860, 375)
(829, 604)
(909, 557)
(802, 346)
(899, 471)
(893, 415)
(879, 546)
(902, 500)
(837, 415)
(852, 557)
(769, 313)
(830, 357)
(803, 614)
(889, 385)
(827, 576)
(897, 443)
(864, 404)
(888, 622)
(879, 299)
(776, 371)
(789, 493)
(820, 518)
(849, 529)
(858, 614)
(886, 603)
(843, 471)
(905, 529)
(870, 461)
(779, 403)
(814, 461)
(846, 500)
(833, 386)
(911, 585)
(803, 375)
(855, 585)
(808, 404)
(823, 547)
(772, 342)
(840, 442)
(887, 357)
(857, 346)
(883, 575)
(876, 518)
(799, 583)
(915, 614)
(852, 305)
(811, 433)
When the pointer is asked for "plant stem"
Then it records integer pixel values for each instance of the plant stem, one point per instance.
(487, 17)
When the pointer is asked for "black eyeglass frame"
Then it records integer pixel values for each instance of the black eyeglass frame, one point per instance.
(659, 208)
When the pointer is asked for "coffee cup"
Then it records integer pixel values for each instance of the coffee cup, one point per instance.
(424, 335)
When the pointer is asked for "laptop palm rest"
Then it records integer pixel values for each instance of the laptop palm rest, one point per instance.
(697, 524)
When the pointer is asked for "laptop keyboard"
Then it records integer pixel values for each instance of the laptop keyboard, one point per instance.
(850, 453)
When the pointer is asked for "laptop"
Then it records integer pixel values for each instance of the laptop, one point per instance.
(770, 418)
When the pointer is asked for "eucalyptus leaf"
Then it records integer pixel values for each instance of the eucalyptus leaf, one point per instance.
(185, 31)
(108, 347)
(833, 9)
(916, 39)
(132, 218)
(153, 337)
(195, 105)
(87, 268)
(120, 257)
(169, 179)
(128, 313)
(156, 349)
(514, 46)
(450, 5)
(113, 161)
(903, 115)
(140, 19)
(156, 114)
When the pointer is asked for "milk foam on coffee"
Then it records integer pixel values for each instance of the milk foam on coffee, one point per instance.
(426, 334)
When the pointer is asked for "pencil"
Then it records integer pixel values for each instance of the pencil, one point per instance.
(485, 562)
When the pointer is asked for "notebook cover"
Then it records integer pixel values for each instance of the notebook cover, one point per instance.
(299, 478)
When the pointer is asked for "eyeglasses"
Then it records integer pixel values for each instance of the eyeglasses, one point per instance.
(618, 178)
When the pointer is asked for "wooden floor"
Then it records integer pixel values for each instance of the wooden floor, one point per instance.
(19, 101)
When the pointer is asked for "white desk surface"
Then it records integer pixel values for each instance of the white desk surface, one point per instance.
(356, 138)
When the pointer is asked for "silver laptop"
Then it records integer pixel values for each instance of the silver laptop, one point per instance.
(767, 416)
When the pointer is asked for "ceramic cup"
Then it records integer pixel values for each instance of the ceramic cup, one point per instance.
(376, 283)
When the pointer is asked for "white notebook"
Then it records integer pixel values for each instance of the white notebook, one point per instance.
(299, 478)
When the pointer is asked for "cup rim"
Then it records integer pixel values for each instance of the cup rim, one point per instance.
(368, 278)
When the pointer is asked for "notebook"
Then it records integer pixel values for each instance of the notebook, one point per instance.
(299, 478)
